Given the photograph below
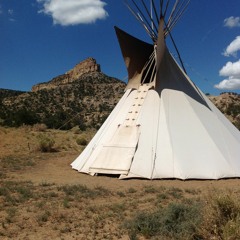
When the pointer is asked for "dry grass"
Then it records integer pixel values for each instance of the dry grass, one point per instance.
(41, 197)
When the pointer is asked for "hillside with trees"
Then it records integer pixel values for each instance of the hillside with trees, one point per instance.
(84, 97)
(85, 102)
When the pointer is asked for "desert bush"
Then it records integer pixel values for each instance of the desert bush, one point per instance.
(81, 141)
(118, 208)
(46, 143)
(175, 192)
(121, 194)
(176, 221)
(24, 192)
(231, 230)
(15, 193)
(222, 217)
(82, 191)
(39, 127)
(132, 190)
(14, 163)
(226, 208)
(43, 217)
(2, 175)
(76, 130)
(11, 213)
(150, 189)
(66, 203)
(46, 184)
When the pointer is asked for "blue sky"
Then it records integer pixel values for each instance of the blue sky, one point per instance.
(41, 39)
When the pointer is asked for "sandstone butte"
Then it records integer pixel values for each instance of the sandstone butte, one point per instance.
(87, 66)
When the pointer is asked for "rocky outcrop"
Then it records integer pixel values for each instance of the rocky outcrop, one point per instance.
(87, 66)
(229, 104)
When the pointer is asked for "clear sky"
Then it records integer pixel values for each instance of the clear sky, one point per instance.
(40, 39)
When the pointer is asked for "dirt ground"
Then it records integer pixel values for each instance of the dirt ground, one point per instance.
(50, 212)
(58, 170)
(55, 167)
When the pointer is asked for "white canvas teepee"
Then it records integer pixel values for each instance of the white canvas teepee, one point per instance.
(163, 126)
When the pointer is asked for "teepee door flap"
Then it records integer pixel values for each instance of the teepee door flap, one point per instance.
(116, 156)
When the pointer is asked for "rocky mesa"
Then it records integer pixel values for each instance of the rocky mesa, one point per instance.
(87, 66)
(83, 96)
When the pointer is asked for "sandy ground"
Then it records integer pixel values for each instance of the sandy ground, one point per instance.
(55, 167)
(50, 213)
(58, 170)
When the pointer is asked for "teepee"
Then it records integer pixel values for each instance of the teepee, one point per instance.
(163, 126)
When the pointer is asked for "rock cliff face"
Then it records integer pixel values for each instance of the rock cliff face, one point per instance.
(87, 66)
(229, 104)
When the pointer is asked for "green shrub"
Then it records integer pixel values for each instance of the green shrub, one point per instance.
(11, 213)
(231, 230)
(176, 221)
(121, 194)
(46, 143)
(181, 220)
(150, 189)
(81, 141)
(175, 192)
(15, 193)
(221, 217)
(25, 192)
(226, 216)
(132, 190)
(13, 162)
(226, 208)
(43, 217)
(66, 203)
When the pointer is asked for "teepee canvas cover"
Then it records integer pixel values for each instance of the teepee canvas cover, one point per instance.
(163, 126)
